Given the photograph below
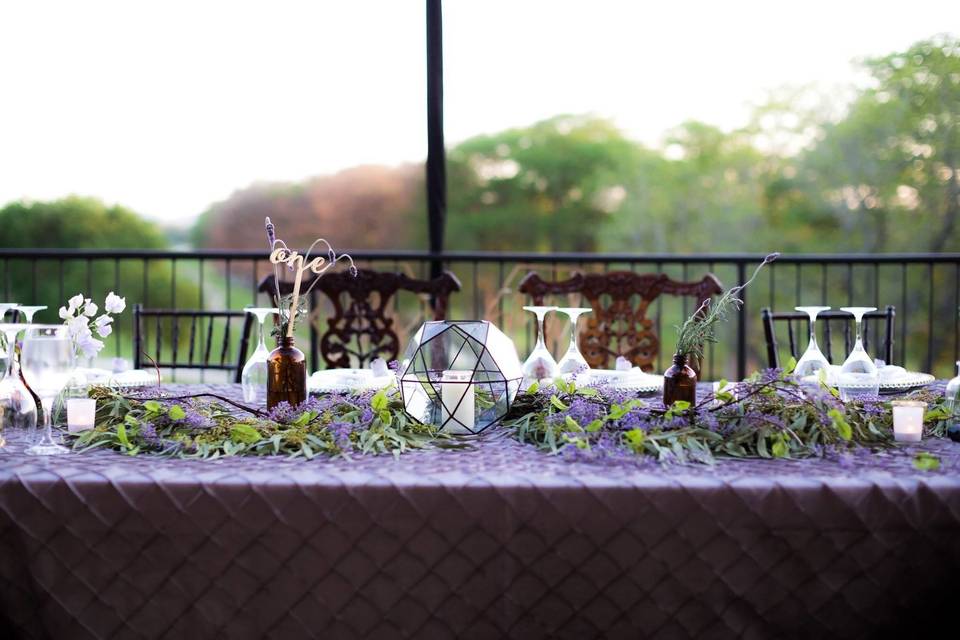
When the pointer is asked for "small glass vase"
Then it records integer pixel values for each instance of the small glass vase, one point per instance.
(286, 374)
(679, 381)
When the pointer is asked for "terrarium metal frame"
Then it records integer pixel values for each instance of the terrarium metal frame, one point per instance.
(423, 382)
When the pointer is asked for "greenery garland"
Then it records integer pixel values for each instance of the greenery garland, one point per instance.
(333, 425)
(769, 415)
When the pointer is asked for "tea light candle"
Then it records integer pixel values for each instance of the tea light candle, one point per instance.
(455, 385)
(81, 414)
(908, 420)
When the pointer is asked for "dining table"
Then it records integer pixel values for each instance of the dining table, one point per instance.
(490, 539)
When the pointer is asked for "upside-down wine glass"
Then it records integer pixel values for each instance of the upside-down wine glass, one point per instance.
(540, 364)
(812, 361)
(858, 375)
(47, 361)
(254, 376)
(16, 402)
(29, 312)
(573, 361)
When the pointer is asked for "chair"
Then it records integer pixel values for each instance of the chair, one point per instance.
(826, 320)
(206, 328)
(620, 327)
(360, 329)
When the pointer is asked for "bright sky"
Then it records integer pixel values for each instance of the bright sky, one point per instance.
(166, 107)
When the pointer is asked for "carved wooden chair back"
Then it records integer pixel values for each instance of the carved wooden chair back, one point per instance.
(362, 326)
(619, 324)
(191, 339)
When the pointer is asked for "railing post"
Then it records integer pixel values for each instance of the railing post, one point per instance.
(742, 323)
(436, 152)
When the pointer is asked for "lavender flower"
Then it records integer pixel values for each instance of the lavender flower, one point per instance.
(271, 233)
(341, 433)
(149, 433)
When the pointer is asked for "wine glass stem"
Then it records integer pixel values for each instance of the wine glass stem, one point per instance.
(574, 347)
(540, 341)
(263, 345)
(47, 404)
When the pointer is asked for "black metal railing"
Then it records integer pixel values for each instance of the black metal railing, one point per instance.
(925, 288)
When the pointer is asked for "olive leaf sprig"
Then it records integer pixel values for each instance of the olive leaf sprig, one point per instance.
(700, 328)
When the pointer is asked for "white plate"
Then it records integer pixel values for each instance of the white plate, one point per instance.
(134, 378)
(632, 380)
(905, 382)
(131, 378)
(342, 380)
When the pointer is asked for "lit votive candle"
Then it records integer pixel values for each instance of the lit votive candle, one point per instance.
(81, 414)
(908, 420)
(455, 385)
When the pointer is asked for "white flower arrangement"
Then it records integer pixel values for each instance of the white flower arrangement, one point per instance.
(79, 314)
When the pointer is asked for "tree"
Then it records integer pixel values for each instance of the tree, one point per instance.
(546, 187)
(367, 207)
(77, 223)
(85, 223)
(895, 156)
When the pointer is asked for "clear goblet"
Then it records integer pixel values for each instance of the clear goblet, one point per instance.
(254, 375)
(16, 402)
(540, 364)
(859, 375)
(812, 361)
(573, 361)
(47, 361)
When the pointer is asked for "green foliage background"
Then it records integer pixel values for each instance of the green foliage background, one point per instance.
(86, 223)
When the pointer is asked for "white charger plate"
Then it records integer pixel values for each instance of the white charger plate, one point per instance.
(344, 380)
(906, 381)
(131, 378)
(632, 380)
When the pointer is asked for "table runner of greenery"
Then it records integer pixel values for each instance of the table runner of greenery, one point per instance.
(768, 415)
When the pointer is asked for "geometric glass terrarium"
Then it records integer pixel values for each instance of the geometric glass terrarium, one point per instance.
(459, 375)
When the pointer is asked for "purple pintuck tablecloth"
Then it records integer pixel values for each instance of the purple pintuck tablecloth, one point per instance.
(498, 541)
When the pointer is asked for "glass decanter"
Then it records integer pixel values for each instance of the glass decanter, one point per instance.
(540, 364)
(573, 360)
(254, 375)
(17, 404)
(859, 375)
(812, 361)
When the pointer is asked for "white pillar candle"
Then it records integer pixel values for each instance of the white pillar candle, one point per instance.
(908, 420)
(453, 386)
(81, 414)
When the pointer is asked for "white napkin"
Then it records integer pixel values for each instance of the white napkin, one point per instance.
(379, 368)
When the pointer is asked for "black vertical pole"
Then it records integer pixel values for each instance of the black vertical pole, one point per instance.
(436, 153)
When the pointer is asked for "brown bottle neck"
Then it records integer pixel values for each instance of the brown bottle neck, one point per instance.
(680, 359)
(285, 342)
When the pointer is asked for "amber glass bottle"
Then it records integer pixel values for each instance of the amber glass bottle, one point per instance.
(679, 381)
(286, 374)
